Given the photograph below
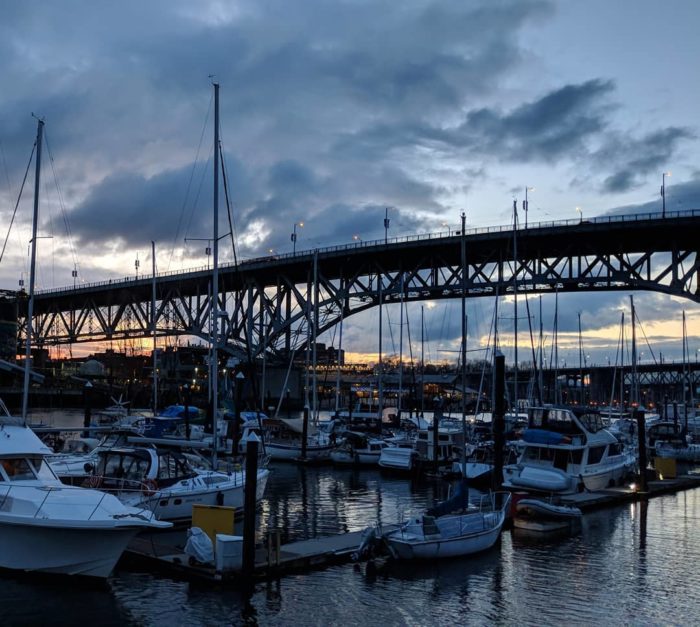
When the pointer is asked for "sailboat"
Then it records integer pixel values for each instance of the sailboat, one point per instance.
(46, 526)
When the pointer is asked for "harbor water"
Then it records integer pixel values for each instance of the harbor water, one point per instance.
(633, 564)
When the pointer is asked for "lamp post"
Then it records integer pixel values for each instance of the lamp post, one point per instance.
(74, 274)
(294, 235)
(580, 212)
(663, 193)
(525, 202)
(386, 225)
(356, 238)
(137, 264)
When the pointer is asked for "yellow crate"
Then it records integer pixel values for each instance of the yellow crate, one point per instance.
(213, 519)
(665, 468)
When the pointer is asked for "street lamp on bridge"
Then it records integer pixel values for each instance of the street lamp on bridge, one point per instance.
(294, 235)
(663, 193)
(525, 202)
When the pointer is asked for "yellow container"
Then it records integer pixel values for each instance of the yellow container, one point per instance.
(213, 519)
(665, 468)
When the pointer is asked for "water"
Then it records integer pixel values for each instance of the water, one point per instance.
(634, 564)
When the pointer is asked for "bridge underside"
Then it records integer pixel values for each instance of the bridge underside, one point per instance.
(275, 303)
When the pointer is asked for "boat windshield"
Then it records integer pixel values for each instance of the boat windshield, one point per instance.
(592, 422)
(557, 420)
(123, 466)
(17, 469)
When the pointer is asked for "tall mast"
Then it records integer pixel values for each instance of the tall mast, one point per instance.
(580, 358)
(340, 350)
(380, 371)
(30, 306)
(401, 308)
(557, 388)
(315, 332)
(215, 282)
(515, 305)
(463, 247)
(422, 362)
(635, 386)
(153, 329)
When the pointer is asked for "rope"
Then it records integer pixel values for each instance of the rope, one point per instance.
(14, 213)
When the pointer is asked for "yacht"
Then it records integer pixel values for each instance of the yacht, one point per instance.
(567, 450)
(48, 527)
(164, 481)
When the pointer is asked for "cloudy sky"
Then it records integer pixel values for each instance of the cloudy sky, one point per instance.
(331, 112)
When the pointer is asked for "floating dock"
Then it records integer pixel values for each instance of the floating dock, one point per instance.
(163, 552)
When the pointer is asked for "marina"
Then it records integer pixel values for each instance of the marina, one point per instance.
(618, 563)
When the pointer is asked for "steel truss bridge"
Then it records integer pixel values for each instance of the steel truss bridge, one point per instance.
(272, 303)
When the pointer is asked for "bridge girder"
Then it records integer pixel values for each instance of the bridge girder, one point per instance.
(271, 302)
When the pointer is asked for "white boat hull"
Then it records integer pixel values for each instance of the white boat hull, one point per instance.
(91, 552)
(176, 504)
(397, 458)
(433, 549)
(292, 452)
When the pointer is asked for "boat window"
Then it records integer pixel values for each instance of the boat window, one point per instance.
(576, 456)
(18, 469)
(135, 468)
(42, 469)
(561, 459)
(614, 449)
(595, 454)
(592, 422)
(112, 466)
(560, 421)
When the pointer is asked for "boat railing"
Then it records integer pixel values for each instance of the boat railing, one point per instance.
(40, 512)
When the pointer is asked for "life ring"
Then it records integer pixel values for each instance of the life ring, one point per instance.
(92, 481)
(149, 487)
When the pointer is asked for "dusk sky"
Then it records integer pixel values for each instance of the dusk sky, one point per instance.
(333, 111)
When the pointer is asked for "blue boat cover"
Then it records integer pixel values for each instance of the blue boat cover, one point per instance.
(542, 436)
(460, 500)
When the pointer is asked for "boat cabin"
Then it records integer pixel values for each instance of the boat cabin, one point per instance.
(124, 468)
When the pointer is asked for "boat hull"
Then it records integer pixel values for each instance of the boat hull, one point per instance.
(59, 550)
(292, 452)
(174, 505)
(433, 549)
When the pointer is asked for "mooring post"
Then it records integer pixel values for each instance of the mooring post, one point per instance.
(642, 443)
(251, 485)
(87, 401)
(498, 420)
(305, 432)
(437, 416)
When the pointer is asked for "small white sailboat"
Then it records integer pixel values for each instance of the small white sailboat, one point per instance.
(451, 535)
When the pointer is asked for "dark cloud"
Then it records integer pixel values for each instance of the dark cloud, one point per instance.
(633, 159)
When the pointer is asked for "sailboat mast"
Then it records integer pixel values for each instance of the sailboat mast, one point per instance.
(422, 361)
(380, 370)
(314, 337)
(153, 329)
(340, 351)
(515, 305)
(215, 283)
(463, 247)
(635, 390)
(401, 309)
(32, 268)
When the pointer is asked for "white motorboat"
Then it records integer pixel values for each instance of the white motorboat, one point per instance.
(283, 441)
(452, 535)
(163, 481)
(358, 449)
(567, 450)
(48, 527)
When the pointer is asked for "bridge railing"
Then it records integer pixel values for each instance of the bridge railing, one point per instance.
(609, 219)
